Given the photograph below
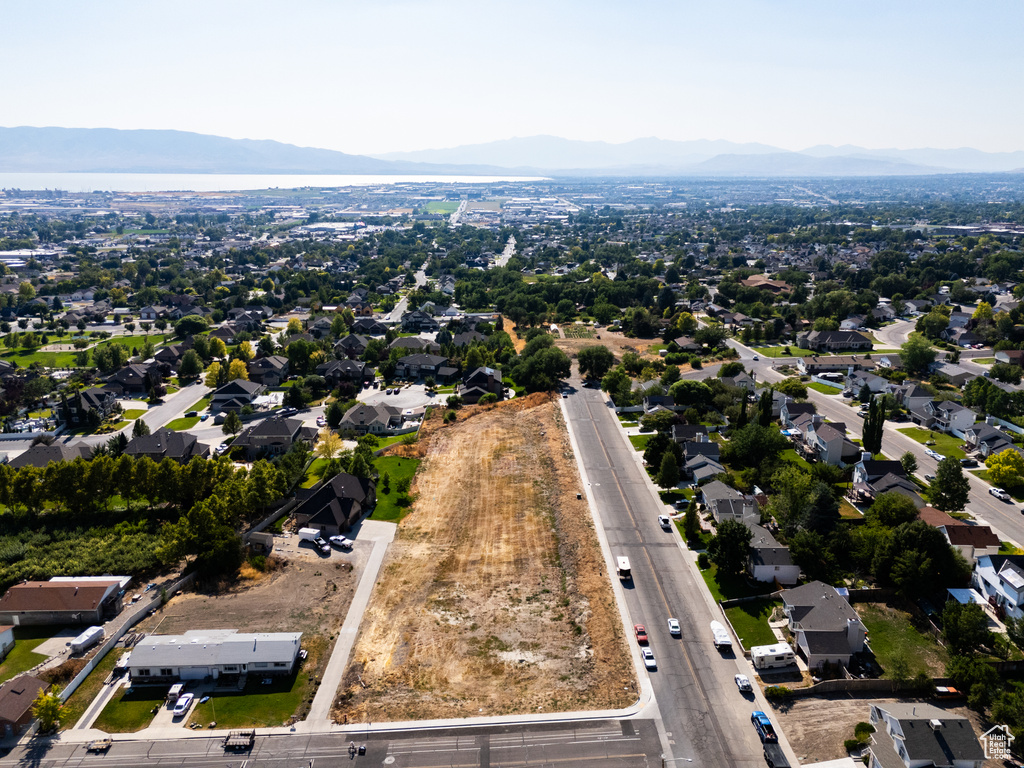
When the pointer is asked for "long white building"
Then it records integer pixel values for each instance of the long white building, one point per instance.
(202, 653)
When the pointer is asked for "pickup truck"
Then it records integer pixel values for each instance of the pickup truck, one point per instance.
(764, 727)
(774, 756)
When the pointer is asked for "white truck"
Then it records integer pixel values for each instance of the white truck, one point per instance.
(312, 535)
(622, 568)
(720, 636)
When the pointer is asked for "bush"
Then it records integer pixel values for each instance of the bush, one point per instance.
(703, 561)
(852, 745)
(259, 562)
(862, 730)
(777, 692)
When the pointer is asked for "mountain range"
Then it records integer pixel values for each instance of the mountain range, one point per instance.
(108, 150)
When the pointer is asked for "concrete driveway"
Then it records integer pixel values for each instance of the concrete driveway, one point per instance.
(410, 396)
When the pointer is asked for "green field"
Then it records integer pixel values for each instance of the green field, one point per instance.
(22, 656)
(793, 457)
(258, 705)
(133, 413)
(825, 389)
(313, 473)
(947, 445)
(202, 405)
(750, 620)
(780, 352)
(77, 703)
(131, 711)
(893, 632)
(185, 422)
(639, 441)
(389, 505)
(731, 587)
(442, 206)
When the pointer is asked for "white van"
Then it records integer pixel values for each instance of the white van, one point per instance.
(175, 692)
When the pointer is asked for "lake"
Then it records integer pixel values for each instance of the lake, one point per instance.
(222, 182)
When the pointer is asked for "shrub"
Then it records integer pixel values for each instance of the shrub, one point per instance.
(862, 730)
(852, 745)
(259, 562)
(703, 561)
(777, 692)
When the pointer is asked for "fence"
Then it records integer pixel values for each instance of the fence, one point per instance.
(130, 621)
(826, 382)
(1007, 424)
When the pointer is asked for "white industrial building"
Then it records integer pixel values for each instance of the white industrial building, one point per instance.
(212, 653)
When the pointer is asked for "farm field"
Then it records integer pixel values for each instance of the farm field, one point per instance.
(494, 597)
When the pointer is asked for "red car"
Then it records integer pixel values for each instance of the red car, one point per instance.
(641, 633)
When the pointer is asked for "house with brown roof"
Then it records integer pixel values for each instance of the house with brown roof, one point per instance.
(16, 699)
(73, 601)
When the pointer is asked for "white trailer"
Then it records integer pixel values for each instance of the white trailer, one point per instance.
(87, 639)
(720, 635)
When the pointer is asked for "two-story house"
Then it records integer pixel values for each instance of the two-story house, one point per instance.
(273, 437)
(825, 626)
(769, 561)
(270, 371)
(727, 503)
(944, 415)
(1000, 580)
(916, 735)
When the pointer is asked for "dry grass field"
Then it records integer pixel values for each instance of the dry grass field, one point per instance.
(494, 597)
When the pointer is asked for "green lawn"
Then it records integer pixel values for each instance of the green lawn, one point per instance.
(133, 413)
(442, 206)
(132, 710)
(825, 389)
(384, 442)
(793, 457)
(258, 705)
(731, 587)
(848, 511)
(780, 352)
(22, 656)
(389, 505)
(945, 444)
(671, 497)
(750, 620)
(185, 422)
(984, 360)
(640, 441)
(313, 473)
(76, 705)
(202, 405)
(892, 632)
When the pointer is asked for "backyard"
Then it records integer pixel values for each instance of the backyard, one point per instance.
(750, 620)
(23, 657)
(393, 506)
(897, 637)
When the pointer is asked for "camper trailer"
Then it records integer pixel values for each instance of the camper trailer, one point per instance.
(772, 656)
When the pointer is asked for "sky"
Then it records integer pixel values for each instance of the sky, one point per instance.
(376, 76)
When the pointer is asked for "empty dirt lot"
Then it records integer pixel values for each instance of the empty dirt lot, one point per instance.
(494, 597)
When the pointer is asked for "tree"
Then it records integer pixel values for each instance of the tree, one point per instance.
(792, 387)
(1006, 468)
(334, 414)
(26, 292)
(217, 347)
(329, 446)
(917, 353)
(728, 550)
(728, 370)
(713, 335)
(140, 428)
(237, 369)
(983, 312)
(964, 627)
(764, 408)
(213, 375)
(232, 424)
(245, 352)
(754, 445)
(810, 551)
(874, 426)
(909, 462)
(865, 394)
(595, 361)
(190, 366)
(950, 490)
(264, 485)
(46, 709)
(692, 394)
(668, 474)
(190, 325)
(541, 366)
(891, 509)
(691, 522)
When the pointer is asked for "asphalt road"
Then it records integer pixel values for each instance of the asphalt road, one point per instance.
(704, 717)
(595, 744)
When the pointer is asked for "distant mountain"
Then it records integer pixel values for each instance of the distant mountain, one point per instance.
(550, 153)
(107, 150)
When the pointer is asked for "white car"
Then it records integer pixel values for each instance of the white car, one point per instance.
(321, 421)
(743, 683)
(999, 493)
(934, 454)
(648, 657)
(664, 522)
(222, 449)
(341, 542)
(674, 628)
(182, 705)
(756, 357)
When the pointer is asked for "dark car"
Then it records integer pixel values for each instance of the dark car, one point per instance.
(968, 462)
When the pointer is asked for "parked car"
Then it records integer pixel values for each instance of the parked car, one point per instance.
(321, 421)
(1000, 494)
(929, 478)
(641, 633)
(674, 628)
(743, 683)
(934, 454)
(764, 726)
(204, 417)
(664, 522)
(191, 414)
(221, 449)
(756, 357)
(182, 704)
(648, 656)
(968, 462)
(341, 542)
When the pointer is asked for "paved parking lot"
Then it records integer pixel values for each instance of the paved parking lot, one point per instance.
(410, 396)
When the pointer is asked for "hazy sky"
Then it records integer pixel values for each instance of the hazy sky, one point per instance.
(386, 75)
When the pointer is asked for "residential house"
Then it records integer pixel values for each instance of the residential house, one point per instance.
(972, 541)
(916, 735)
(891, 361)
(367, 326)
(273, 437)
(418, 321)
(6, 640)
(789, 413)
(957, 376)
(832, 341)
(235, 395)
(352, 346)
(912, 396)
(986, 439)
(167, 444)
(829, 444)
(465, 338)
(480, 382)
(962, 337)
(213, 653)
(852, 323)
(687, 344)
(871, 478)
(769, 560)
(944, 415)
(652, 403)
(858, 379)
(134, 378)
(269, 371)
(825, 627)
(1010, 356)
(338, 371)
(883, 313)
(727, 503)
(66, 601)
(682, 433)
(87, 406)
(421, 365)
(412, 344)
(1000, 580)
(742, 380)
(918, 306)
(171, 355)
(17, 697)
(378, 419)
(226, 333)
(812, 366)
(321, 327)
(702, 461)
(150, 313)
(335, 506)
(41, 454)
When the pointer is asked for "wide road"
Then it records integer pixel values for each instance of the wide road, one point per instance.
(593, 744)
(705, 718)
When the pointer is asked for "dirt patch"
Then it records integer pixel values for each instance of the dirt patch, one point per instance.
(494, 597)
(294, 596)
(816, 727)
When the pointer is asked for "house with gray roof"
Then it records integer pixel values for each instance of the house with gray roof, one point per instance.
(915, 735)
(270, 371)
(235, 395)
(41, 454)
(213, 653)
(727, 503)
(378, 419)
(336, 505)
(825, 626)
(770, 561)
(167, 444)
(1000, 581)
(944, 415)
(273, 437)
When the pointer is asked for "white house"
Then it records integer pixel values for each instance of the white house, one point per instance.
(769, 560)
(920, 735)
(203, 653)
(1000, 580)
